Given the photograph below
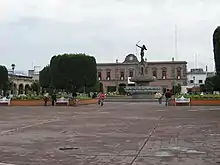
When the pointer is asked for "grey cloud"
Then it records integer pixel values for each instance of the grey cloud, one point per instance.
(114, 33)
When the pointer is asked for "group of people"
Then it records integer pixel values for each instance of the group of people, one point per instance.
(168, 95)
(46, 99)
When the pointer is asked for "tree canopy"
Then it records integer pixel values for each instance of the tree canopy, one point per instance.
(212, 83)
(3, 77)
(44, 78)
(216, 45)
(35, 86)
(73, 71)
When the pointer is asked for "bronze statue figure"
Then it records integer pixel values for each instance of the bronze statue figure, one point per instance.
(143, 48)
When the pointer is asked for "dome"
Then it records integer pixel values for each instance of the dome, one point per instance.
(131, 58)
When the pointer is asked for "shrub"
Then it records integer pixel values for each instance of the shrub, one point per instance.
(201, 97)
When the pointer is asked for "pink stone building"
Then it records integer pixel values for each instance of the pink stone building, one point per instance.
(166, 73)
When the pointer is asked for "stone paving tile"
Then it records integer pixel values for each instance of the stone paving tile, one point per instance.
(174, 161)
(115, 134)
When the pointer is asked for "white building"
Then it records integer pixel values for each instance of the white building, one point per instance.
(34, 74)
(196, 77)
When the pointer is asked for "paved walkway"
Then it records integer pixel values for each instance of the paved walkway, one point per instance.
(116, 134)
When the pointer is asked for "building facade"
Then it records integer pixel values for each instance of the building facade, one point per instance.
(197, 77)
(34, 74)
(20, 83)
(166, 73)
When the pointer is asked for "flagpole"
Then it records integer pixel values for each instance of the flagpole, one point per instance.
(176, 43)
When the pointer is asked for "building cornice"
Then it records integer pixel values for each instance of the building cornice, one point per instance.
(149, 63)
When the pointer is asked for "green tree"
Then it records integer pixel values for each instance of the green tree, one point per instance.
(212, 84)
(94, 88)
(35, 87)
(209, 85)
(202, 88)
(216, 45)
(44, 78)
(178, 89)
(73, 71)
(3, 79)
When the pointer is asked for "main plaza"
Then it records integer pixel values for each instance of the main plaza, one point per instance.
(116, 134)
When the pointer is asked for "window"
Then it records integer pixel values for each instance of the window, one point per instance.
(191, 81)
(131, 73)
(108, 77)
(164, 74)
(155, 73)
(100, 75)
(142, 70)
(122, 77)
(200, 81)
(178, 73)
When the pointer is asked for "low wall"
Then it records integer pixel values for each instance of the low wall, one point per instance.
(129, 100)
(201, 102)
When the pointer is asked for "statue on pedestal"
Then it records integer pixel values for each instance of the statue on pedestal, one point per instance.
(143, 48)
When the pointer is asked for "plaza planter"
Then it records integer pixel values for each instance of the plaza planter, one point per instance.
(205, 102)
(208, 102)
(87, 102)
(28, 103)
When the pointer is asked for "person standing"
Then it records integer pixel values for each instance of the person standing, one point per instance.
(159, 96)
(54, 99)
(168, 96)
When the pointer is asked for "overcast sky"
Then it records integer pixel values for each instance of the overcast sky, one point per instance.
(32, 31)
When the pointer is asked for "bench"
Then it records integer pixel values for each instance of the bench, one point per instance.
(182, 101)
(5, 101)
(62, 101)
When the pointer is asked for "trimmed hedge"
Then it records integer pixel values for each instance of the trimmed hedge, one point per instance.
(201, 97)
(40, 97)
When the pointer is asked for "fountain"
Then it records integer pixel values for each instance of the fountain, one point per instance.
(142, 88)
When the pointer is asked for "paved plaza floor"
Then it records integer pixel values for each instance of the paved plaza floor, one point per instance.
(116, 134)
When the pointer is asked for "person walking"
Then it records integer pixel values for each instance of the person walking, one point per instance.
(46, 98)
(101, 99)
(168, 96)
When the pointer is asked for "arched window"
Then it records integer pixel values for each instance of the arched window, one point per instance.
(142, 70)
(179, 73)
(164, 73)
(131, 73)
(100, 75)
(108, 75)
(154, 72)
(122, 75)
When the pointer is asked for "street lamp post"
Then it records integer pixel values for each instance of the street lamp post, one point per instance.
(173, 76)
(13, 70)
(194, 83)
